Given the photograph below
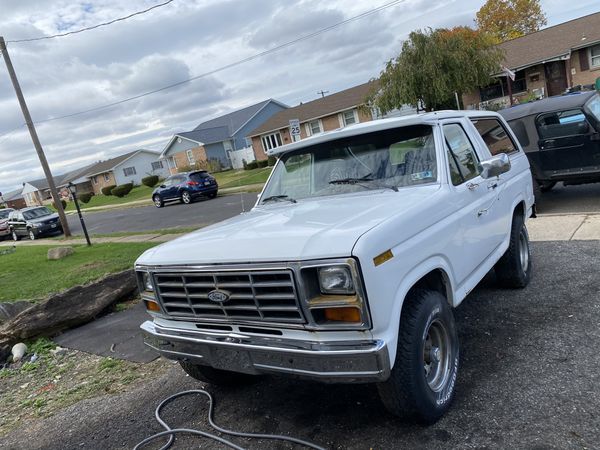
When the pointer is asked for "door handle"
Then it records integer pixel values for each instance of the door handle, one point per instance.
(492, 186)
(472, 186)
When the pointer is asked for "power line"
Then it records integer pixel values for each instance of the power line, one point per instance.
(6, 135)
(233, 64)
(41, 38)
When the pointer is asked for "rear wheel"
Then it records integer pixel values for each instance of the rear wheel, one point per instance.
(218, 377)
(31, 234)
(423, 379)
(513, 270)
(186, 197)
(158, 201)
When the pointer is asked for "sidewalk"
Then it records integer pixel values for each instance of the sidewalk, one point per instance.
(158, 238)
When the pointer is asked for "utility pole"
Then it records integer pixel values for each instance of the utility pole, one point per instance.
(322, 92)
(35, 139)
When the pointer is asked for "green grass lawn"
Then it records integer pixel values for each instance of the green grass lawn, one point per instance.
(27, 274)
(137, 193)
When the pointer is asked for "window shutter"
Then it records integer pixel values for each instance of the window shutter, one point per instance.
(584, 63)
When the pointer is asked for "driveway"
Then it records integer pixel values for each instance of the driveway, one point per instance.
(147, 218)
(582, 199)
(529, 380)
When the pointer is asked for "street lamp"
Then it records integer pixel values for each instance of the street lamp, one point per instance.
(73, 190)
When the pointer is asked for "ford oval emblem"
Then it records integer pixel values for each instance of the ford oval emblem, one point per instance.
(218, 296)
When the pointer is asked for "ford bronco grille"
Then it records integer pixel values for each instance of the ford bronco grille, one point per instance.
(268, 296)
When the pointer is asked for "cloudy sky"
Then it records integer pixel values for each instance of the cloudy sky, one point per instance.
(184, 39)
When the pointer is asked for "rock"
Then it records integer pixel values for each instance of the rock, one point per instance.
(60, 252)
(59, 351)
(18, 351)
(34, 358)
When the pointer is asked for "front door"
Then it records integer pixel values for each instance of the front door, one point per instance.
(556, 77)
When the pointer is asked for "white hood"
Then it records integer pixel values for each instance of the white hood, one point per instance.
(310, 229)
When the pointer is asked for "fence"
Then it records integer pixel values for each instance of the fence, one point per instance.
(237, 157)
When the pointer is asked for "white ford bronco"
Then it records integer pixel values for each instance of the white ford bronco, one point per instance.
(348, 267)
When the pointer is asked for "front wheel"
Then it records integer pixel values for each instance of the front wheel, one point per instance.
(218, 377)
(513, 270)
(31, 235)
(212, 195)
(158, 201)
(423, 379)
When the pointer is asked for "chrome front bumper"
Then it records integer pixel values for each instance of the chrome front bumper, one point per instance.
(342, 362)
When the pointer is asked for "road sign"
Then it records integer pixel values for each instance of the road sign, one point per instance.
(295, 129)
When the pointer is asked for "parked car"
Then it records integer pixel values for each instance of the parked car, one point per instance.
(4, 229)
(185, 187)
(349, 265)
(561, 138)
(33, 222)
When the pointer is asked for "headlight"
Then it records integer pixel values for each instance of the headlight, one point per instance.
(336, 280)
(36, 225)
(147, 282)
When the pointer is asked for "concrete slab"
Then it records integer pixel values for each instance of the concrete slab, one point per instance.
(554, 228)
(589, 229)
(137, 238)
(117, 331)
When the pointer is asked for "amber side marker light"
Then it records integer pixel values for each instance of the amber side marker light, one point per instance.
(385, 256)
(152, 306)
(347, 314)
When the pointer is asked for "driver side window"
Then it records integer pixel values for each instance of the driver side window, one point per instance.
(462, 158)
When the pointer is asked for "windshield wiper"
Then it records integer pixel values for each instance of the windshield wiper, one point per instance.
(277, 198)
(359, 181)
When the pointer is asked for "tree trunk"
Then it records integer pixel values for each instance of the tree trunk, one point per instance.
(75, 306)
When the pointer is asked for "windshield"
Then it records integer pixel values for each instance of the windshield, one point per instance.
(4, 213)
(385, 159)
(36, 213)
(593, 106)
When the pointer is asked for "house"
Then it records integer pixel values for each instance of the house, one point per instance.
(128, 168)
(13, 199)
(324, 114)
(36, 192)
(213, 143)
(546, 63)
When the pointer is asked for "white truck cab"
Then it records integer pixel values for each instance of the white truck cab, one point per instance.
(348, 267)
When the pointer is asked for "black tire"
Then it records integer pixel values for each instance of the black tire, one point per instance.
(158, 201)
(186, 197)
(513, 270)
(546, 186)
(412, 391)
(212, 195)
(217, 377)
(31, 234)
(15, 236)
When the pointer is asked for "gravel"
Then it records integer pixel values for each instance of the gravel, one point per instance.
(529, 380)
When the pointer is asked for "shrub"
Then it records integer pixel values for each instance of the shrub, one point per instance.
(272, 160)
(122, 190)
(85, 197)
(251, 165)
(150, 181)
(262, 163)
(106, 190)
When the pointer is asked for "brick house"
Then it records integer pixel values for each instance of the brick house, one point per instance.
(546, 63)
(324, 114)
(12, 199)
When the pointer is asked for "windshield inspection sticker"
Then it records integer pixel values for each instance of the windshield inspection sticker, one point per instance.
(421, 175)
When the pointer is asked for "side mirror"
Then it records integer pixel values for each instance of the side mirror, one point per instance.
(162, 186)
(495, 166)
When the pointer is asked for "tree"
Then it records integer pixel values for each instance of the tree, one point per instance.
(434, 65)
(509, 19)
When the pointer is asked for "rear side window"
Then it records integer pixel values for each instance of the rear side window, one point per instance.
(198, 176)
(495, 136)
(556, 124)
(462, 159)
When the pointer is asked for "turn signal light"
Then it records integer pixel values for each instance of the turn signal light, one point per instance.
(346, 314)
(152, 306)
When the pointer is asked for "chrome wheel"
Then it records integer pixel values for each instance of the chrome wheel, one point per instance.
(31, 235)
(157, 201)
(186, 197)
(436, 356)
(524, 250)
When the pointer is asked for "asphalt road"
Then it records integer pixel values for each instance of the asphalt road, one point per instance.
(561, 199)
(148, 218)
(529, 379)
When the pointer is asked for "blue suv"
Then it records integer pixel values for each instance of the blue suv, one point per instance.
(185, 187)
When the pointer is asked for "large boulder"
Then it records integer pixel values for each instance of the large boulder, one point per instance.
(75, 306)
(59, 252)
